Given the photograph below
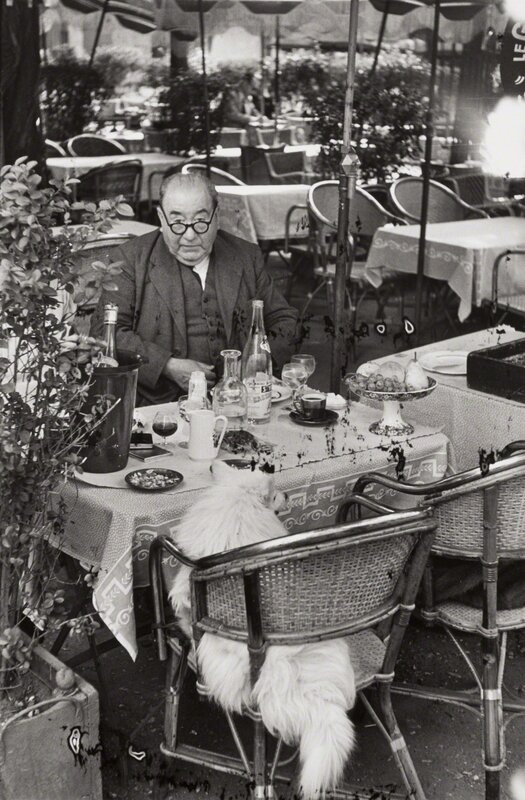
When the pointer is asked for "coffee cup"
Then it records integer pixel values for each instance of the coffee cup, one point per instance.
(311, 405)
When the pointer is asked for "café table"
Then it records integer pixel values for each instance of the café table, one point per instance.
(471, 419)
(111, 525)
(461, 253)
(258, 213)
(75, 166)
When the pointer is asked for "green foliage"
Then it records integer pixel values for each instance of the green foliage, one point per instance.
(113, 64)
(388, 113)
(44, 378)
(70, 92)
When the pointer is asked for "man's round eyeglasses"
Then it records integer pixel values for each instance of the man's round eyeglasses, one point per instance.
(180, 228)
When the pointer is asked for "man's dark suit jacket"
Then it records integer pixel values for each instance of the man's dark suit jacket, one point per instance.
(152, 320)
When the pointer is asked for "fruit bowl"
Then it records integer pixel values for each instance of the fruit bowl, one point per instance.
(391, 423)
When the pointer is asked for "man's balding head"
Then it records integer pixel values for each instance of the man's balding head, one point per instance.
(188, 181)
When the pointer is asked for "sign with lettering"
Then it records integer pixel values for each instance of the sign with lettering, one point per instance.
(512, 60)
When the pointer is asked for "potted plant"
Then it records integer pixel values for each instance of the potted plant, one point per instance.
(45, 373)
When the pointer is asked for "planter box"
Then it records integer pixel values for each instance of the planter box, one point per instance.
(499, 370)
(36, 760)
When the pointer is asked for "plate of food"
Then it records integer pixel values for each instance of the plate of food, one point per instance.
(280, 391)
(446, 362)
(153, 479)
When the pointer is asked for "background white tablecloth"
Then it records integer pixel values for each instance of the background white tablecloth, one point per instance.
(258, 213)
(461, 253)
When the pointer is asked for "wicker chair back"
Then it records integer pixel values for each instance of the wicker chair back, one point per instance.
(218, 176)
(443, 204)
(89, 144)
(121, 178)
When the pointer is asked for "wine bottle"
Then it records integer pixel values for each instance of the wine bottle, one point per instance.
(108, 356)
(257, 368)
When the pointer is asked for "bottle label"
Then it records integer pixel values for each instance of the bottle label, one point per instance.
(110, 314)
(265, 346)
(259, 397)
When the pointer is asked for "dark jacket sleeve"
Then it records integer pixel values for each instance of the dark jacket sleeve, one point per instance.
(280, 319)
(155, 357)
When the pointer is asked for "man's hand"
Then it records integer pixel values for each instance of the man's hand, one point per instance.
(179, 371)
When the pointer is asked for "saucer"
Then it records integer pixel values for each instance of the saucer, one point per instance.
(328, 418)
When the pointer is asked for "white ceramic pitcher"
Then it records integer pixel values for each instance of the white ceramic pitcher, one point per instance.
(202, 429)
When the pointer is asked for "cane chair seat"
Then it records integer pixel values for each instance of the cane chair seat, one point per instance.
(356, 581)
(470, 620)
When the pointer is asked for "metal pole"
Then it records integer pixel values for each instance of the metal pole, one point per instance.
(380, 37)
(426, 170)
(347, 182)
(99, 31)
(276, 77)
(263, 72)
(205, 99)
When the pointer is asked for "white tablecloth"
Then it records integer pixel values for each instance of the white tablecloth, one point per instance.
(258, 213)
(112, 527)
(233, 156)
(472, 420)
(75, 166)
(461, 253)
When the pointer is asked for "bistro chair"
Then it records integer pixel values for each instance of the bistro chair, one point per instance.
(90, 144)
(112, 180)
(367, 215)
(218, 176)
(254, 166)
(474, 189)
(53, 149)
(501, 305)
(343, 581)
(443, 204)
(481, 519)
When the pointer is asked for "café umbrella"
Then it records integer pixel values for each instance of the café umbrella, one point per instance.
(452, 9)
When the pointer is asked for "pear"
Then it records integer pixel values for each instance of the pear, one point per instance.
(415, 376)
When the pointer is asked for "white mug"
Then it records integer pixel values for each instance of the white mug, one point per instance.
(202, 429)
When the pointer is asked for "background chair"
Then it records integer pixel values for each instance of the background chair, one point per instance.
(480, 516)
(89, 144)
(254, 167)
(342, 581)
(367, 215)
(53, 149)
(443, 204)
(474, 189)
(503, 304)
(218, 176)
(103, 183)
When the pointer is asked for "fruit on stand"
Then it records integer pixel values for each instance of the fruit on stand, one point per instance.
(391, 376)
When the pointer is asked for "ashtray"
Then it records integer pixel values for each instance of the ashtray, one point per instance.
(153, 479)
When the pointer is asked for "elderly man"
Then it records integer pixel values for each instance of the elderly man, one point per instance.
(185, 292)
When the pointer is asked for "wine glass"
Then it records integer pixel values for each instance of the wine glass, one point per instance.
(294, 375)
(165, 424)
(307, 361)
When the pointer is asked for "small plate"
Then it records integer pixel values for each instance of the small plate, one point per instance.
(136, 478)
(239, 463)
(329, 418)
(445, 362)
(280, 392)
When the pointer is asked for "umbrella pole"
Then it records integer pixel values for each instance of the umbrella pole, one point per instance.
(263, 76)
(276, 78)
(426, 170)
(347, 183)
(205, 99)
(380, 38)
(99, 31)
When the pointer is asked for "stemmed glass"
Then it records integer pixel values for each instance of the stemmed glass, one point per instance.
(307, 361)
(165, 424)
(295, 376)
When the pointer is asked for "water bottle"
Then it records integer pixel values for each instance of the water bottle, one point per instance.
(257, 369)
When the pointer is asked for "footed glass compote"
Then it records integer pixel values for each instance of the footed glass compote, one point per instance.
(391, 423)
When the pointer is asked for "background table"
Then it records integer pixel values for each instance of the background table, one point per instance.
(233, 156)
(75, 166)
(112, 526)
(461, 253)
(258, 213)
(472, 420)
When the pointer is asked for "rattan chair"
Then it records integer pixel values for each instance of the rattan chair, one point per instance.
(501, 304)
(90, 144)
(122, 178)
(218, 176)
(342, 581)
(255, 167)
(481, 518)
(474, 189)
(367, 215)
(53, 149)
(443, 204)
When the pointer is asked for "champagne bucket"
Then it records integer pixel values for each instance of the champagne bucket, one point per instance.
(108, 446)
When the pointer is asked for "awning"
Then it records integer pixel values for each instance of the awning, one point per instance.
(135, 14)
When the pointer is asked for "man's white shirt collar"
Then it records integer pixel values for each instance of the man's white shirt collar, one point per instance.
(201, 270)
